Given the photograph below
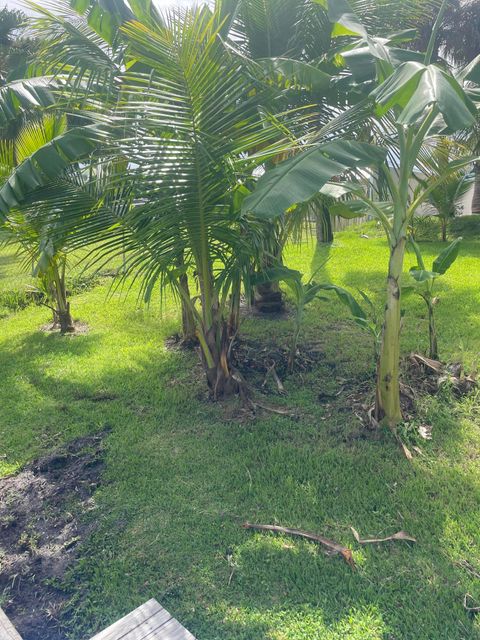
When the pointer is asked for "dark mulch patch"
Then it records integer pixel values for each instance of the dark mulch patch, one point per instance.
(176, 342)
(43, 521)
(257, 357)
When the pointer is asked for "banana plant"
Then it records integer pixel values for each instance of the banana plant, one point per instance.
(304, 293)
(366, 318)
(424, 284)
(412, 99)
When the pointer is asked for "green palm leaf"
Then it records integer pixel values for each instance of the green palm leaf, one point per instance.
(45, 164)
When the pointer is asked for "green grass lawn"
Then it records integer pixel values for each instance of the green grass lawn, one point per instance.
(182, 474)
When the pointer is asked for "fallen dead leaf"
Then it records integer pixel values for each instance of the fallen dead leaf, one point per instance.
(330, 545)
(374, 424)
(271, 371)
(428, 363)
(425, 431)
(408, 454)
(468, 566)
(400, 535)
(278, 410)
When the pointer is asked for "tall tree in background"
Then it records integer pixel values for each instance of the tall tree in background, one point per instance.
(16, 47)
(458, 36)
(289, 41)
(458, 41)
(446, 196)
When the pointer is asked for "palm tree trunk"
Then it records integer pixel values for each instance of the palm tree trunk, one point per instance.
(444, 228)
(215, 352)
(215, 339)
(476, 190)
(388, 371)
(324, 227)
(268, 298)
(62, 305)
(188, 321)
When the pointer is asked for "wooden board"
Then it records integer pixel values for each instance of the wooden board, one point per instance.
(148, 622)
(7, 630)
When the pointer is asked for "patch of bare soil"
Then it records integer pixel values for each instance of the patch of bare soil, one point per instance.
(42, 525)
(80, 328)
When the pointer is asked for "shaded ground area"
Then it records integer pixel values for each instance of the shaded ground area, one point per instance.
(42, 524)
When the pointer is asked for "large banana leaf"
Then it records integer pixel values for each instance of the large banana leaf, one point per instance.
(448, 256)
(25, 95)
(414, 87)
(298, 179)
(355, 208)
(362, 63)
(471, 72)
(346, 23)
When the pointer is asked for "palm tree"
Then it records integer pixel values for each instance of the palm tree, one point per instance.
(30, 231)
(32, 227)
(16, 48)
(182, 113)
(458, 37)
(191, 136)
(281, 37)
(446, 196)
(471, 139)
(458, 41)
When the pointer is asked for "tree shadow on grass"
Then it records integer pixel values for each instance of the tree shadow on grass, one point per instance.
(321, 256)
(180, 480)
(7, 260)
